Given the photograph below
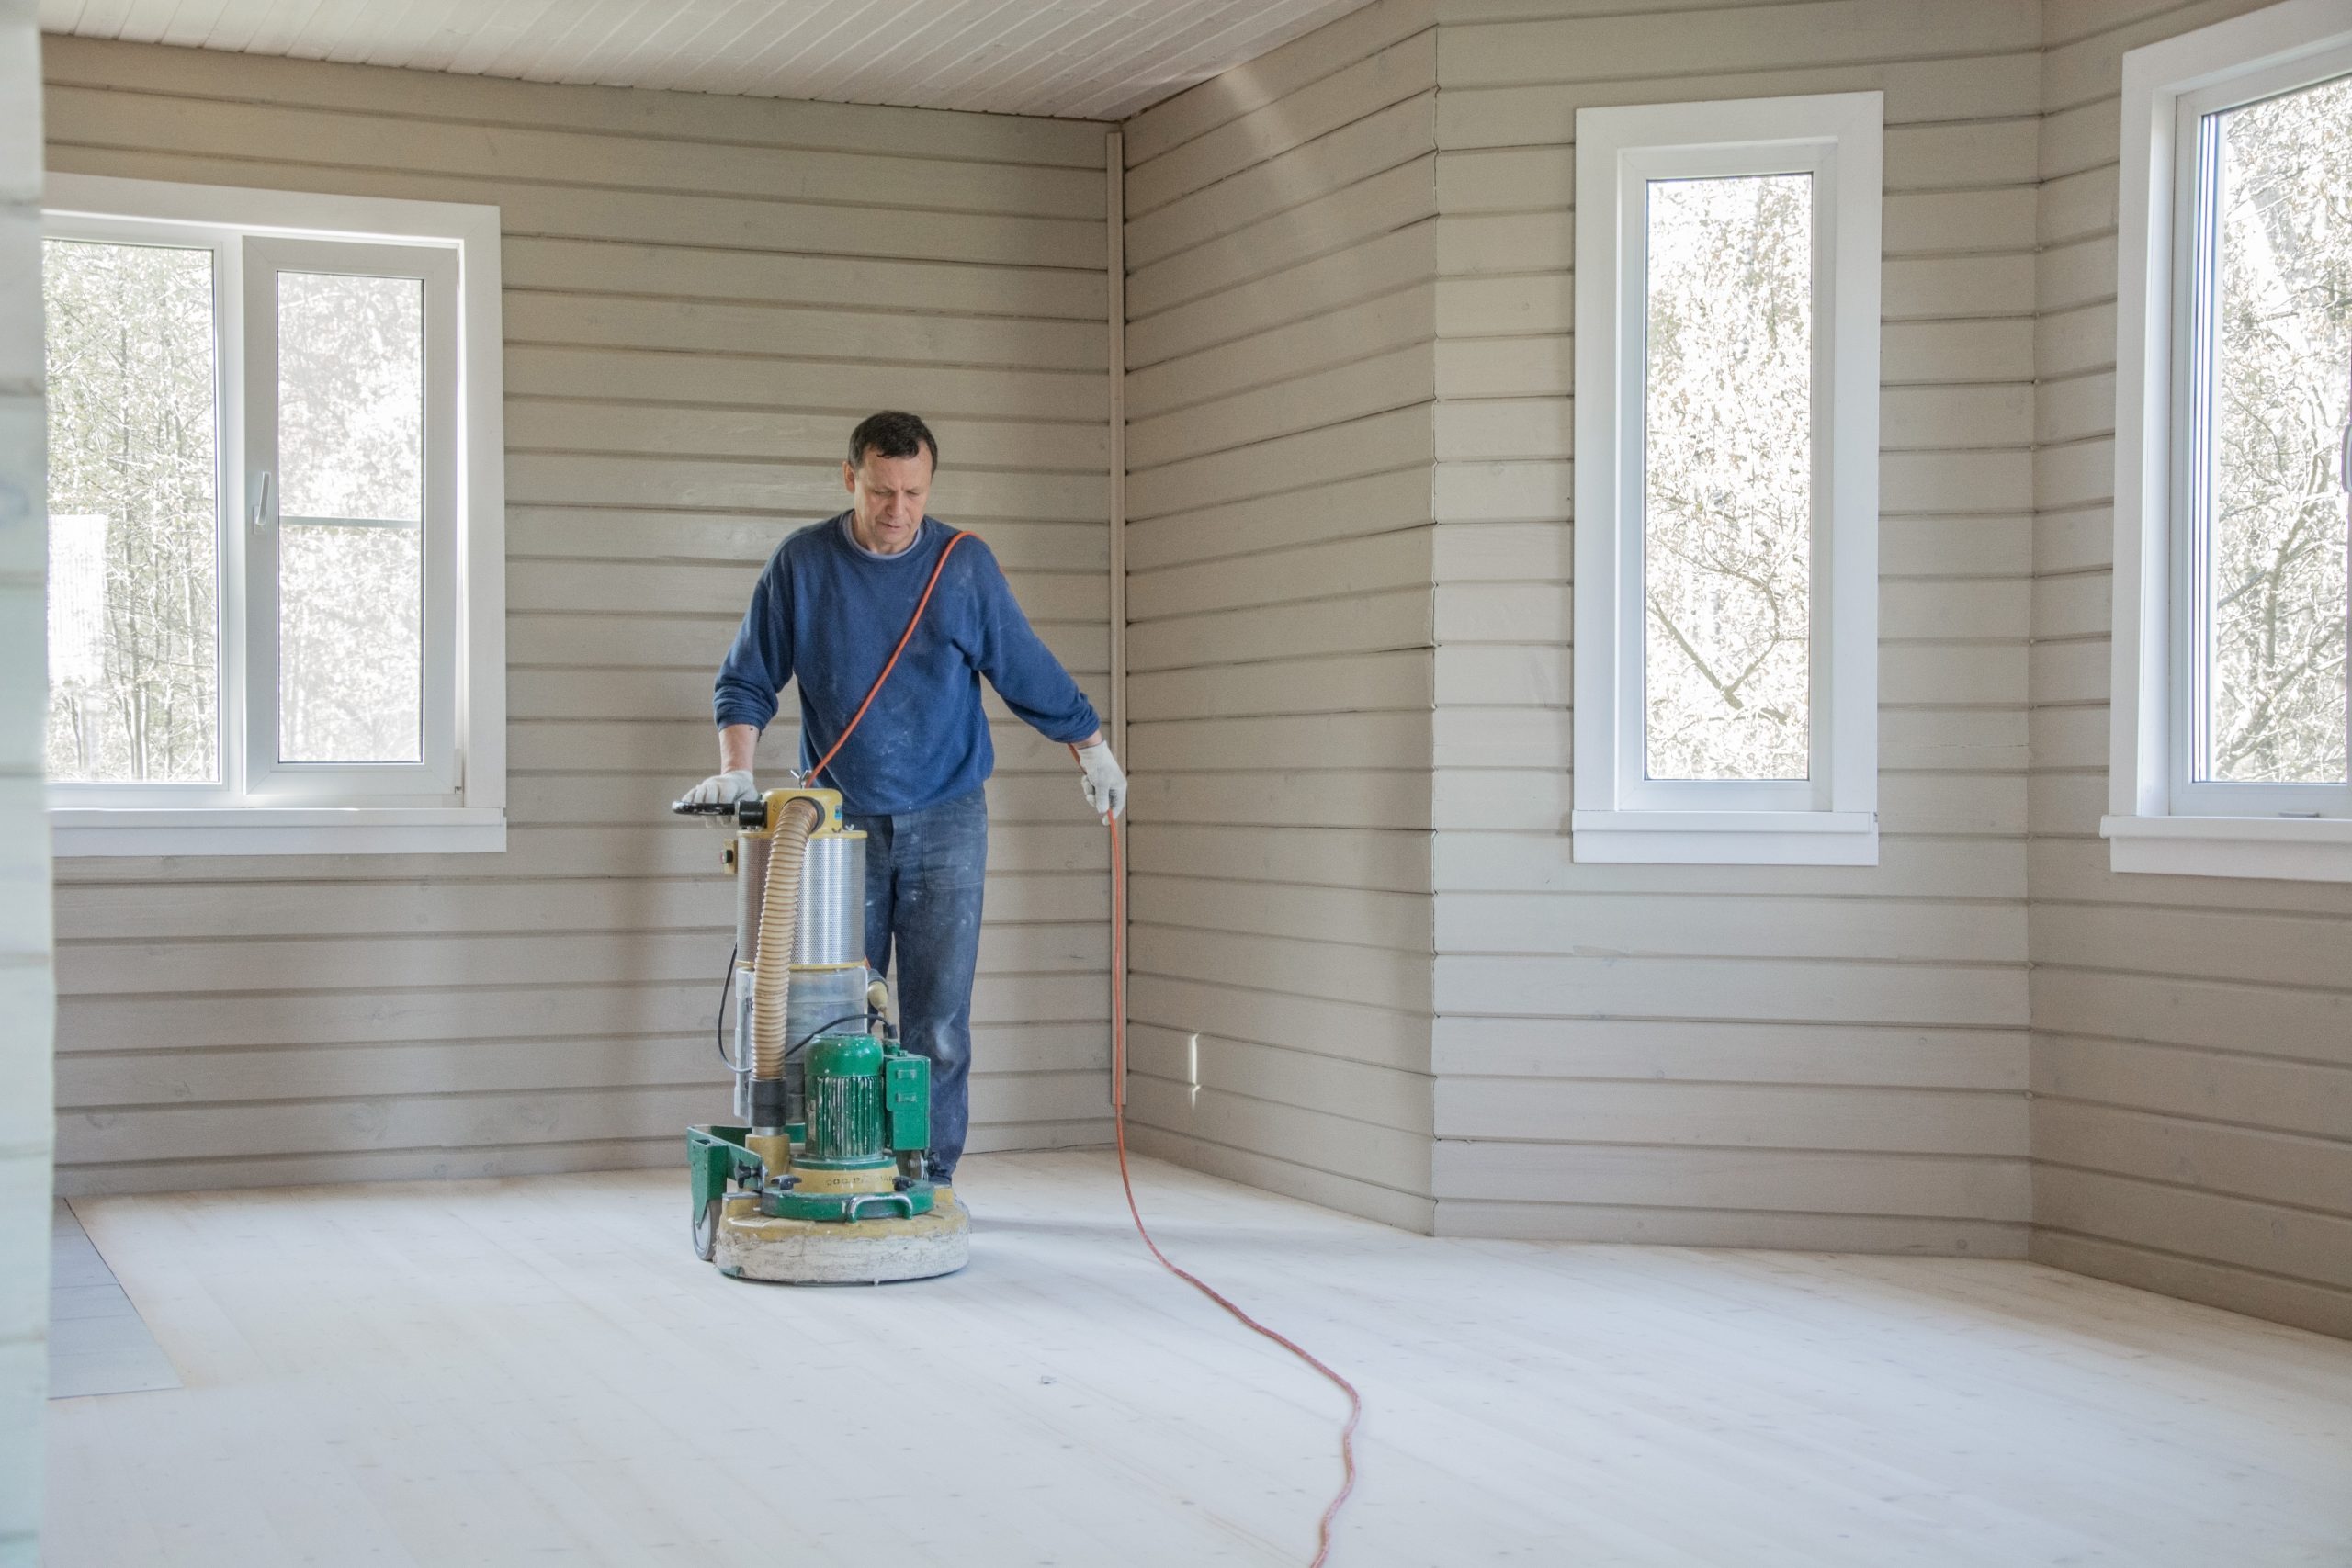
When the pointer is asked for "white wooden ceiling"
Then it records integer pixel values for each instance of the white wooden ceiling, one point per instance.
(1086, 59)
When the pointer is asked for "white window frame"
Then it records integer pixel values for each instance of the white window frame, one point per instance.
(434, 777)
(455, 799)
(1621, 816)
(2158, 819)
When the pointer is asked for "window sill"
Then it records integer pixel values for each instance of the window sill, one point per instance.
(1726, 838)
(278, 830)
(2295, 848)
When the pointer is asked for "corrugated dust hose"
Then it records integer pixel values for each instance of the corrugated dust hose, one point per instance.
(779, 925)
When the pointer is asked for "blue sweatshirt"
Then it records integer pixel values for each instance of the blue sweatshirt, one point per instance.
(830, 612)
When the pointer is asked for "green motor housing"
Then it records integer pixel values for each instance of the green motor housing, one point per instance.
(906, 1098)
(867, 1103)
(844, 1077)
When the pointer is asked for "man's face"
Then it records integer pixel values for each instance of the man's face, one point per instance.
(888, 495)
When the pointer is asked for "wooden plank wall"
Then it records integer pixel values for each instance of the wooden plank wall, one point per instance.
(27, 993)
(1813, 1057)
(2193, 1052)
(703, 295)
(1280, 240)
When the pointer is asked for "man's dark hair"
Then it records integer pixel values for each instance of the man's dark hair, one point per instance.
(891, 434)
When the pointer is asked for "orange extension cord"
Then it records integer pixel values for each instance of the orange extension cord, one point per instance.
(1119, 1080)
(1119, 1122)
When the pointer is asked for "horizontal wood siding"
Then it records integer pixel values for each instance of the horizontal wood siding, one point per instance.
(2192, 1052)
(1282, 311)
(1817, 1057)
(703, 295)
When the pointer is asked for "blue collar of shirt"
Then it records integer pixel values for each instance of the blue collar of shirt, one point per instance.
(849, 537)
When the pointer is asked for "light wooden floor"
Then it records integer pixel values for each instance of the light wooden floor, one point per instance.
(538, 1370)
(96, 1342)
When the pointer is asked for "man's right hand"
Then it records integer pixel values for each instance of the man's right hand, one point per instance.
(723, 789)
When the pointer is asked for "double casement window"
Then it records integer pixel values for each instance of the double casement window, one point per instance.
(276, 603)
(1727, 481)
(2232, 732)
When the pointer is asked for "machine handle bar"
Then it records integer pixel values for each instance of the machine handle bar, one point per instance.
(748, 813)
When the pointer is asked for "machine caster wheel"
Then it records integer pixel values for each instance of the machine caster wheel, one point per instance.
(706, 1230)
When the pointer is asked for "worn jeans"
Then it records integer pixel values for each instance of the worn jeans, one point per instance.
(924, 870)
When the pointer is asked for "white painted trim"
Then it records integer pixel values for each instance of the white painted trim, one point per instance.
(2142, 832)
(2289, 848)
(1115, 223)
(1726, 838)
(1116, 198)
(481, 512)
(215, 214)
(1620, 815)
(295, 214)
(278, 830)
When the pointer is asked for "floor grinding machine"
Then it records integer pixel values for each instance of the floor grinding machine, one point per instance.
(822, 1179)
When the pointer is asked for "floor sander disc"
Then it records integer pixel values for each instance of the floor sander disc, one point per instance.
(861, 1252)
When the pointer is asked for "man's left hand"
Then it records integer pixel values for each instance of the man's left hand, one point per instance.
(1105, 785)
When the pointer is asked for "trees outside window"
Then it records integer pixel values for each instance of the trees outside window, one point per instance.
(1727, 507)
(2273, 307)
(133, 445)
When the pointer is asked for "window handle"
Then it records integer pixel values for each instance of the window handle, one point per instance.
(2344, 457)
(261, 502)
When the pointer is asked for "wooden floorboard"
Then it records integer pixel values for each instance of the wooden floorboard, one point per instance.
(538, 1370)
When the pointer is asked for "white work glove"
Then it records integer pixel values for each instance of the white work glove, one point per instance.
(723, 789)
(1105, 785)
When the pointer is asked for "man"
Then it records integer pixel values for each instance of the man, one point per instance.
(829, 609)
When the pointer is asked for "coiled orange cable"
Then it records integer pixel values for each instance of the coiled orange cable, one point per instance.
(1119, 1125)
(1119, 1083)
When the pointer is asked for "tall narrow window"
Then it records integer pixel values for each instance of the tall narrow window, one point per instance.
(274, 621)
(1728, 487)
(2234, 734)
(2265, 398)
(1727, 479)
